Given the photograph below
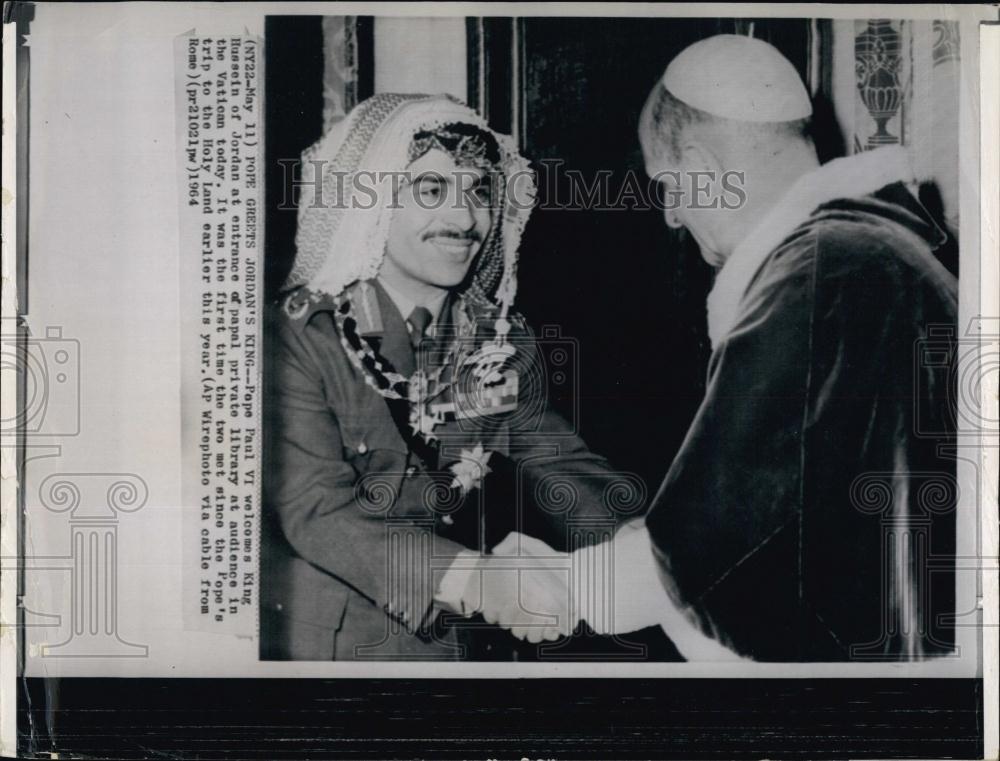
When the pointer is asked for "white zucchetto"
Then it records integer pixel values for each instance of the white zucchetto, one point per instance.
(739, 78)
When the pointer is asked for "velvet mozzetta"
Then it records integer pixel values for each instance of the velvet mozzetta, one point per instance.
(810, 513)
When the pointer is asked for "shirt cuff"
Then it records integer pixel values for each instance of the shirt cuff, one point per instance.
(635, 550)
(624, 593)
(617, 589)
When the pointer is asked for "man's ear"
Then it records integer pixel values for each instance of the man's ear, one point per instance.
(703, 171)
(699, 157)
(672, 219)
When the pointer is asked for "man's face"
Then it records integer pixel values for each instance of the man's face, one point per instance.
(690, 194)
(441, 219)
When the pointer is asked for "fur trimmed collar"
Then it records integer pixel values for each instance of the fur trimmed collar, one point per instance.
(849, 177)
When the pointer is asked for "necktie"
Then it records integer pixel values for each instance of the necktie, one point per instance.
(417, 322)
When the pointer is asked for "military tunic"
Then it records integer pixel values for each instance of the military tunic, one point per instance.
(363, 525)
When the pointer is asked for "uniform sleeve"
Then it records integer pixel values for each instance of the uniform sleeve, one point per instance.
(324, 516)
(725, 523)
(573, 495)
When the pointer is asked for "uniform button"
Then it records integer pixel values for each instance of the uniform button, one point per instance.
(279, 606)
(362, 448)
(411, 471)
(447, 520)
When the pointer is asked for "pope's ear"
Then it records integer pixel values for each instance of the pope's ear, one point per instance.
(696, 156)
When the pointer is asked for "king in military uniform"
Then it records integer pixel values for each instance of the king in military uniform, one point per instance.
(409, 431)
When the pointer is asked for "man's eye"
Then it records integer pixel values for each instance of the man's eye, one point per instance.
(428, 190)
(481, 196)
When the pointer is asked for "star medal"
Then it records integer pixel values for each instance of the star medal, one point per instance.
(471, 469)
(423, 420)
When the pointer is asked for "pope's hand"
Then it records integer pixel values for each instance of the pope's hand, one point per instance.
(523, 587)
(615, 587)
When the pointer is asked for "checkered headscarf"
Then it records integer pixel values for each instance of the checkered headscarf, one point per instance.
(339, 242)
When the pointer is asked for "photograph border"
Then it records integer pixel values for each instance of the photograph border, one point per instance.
(380, 710)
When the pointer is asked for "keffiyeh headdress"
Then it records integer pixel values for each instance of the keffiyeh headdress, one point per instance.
(342, 235)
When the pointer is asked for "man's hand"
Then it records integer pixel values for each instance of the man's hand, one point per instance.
(523, 587)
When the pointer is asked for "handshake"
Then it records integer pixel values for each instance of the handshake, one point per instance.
(523, 586)
(538, 593)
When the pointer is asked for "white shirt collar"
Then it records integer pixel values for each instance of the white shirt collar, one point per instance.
(406, 305)
(848, 177)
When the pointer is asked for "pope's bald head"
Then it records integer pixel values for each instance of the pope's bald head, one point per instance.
(728, 86)
(728, 111)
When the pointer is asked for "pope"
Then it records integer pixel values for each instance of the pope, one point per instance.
(810, 512)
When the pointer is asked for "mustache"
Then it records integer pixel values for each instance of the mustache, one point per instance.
(472, 236)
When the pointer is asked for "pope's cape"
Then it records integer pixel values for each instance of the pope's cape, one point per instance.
(810, 513)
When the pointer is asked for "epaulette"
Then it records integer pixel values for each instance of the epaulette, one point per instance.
(296, 304)
(299, 304)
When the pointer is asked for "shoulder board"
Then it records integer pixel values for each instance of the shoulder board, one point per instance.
(302, 303)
